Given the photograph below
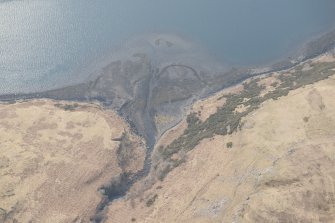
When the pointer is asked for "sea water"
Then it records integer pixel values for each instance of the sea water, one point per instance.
(46, 44)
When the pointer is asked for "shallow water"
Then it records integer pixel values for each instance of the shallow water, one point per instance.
(49, 43)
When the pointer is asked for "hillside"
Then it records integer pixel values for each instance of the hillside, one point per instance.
(276, 166)
(55, 157)
(259, 151)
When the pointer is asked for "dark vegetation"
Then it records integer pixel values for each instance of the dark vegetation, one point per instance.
(227, 121)
(151, 200)
(117, 188)
(229, 145)
(306, 119)
(67, 107)
(119, 185)
(125, 151)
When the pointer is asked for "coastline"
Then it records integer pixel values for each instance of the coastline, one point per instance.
(78, 94)
(324, 43)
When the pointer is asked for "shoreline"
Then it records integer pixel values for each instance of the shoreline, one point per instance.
(92, 70)
(129, 181)
(317, 47)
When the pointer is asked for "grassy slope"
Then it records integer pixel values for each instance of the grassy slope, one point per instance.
(226, 120)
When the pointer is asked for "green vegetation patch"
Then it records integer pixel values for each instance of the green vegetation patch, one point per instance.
(227, 121)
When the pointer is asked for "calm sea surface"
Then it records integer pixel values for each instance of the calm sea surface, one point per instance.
(49, 43)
